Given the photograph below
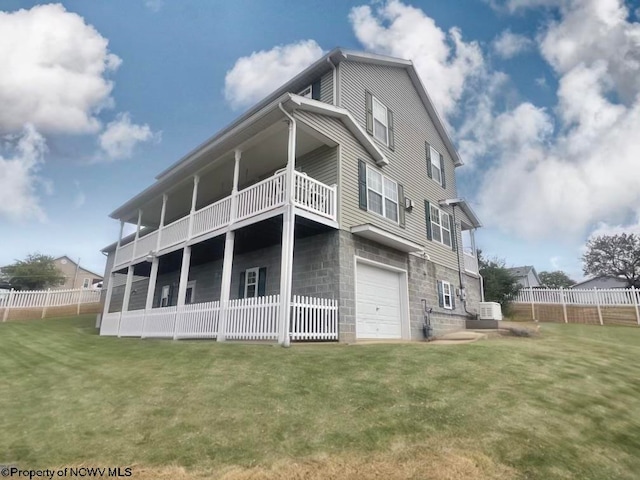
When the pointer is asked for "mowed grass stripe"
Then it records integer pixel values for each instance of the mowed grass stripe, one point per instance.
(564, 405)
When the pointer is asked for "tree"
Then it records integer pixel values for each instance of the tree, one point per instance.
(499, 285)
(614, 256)
(36, 272)
(557, 279)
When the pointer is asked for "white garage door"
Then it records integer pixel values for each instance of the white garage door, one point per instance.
(377, 303)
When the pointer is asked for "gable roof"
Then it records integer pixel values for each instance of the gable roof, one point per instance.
(616, 280)
(522, 272)
(80, 267)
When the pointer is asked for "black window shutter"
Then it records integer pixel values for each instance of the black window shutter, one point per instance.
(427, 214)
(315, 90)
(442, 177)
(452, 227)
(241, 286)
(401, 219)
(453, 298)
(362, 184)
(392, 143)
(440, 294)
(262, 281)
(369, 105)
(173, 296)
(427, 148)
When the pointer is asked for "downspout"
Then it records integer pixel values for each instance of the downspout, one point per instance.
(335, 79)
(464, 302)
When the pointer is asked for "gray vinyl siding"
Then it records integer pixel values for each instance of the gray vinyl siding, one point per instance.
(320, 164)
(407, 163)
(326, 87)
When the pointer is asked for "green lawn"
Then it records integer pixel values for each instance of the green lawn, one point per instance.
(563, 405)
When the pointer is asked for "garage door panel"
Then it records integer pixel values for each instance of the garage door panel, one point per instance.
(378, 303)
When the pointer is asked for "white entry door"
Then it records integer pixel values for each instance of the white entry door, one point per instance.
(378, 312)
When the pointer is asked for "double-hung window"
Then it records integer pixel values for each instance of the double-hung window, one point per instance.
(436, 167)
(440, 226)
(251, 283)
(380, 122)
(445, 295)
(382, 195)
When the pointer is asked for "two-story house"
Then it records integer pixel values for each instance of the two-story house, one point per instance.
(327, 211)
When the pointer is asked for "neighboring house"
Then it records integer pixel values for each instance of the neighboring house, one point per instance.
(525, 276)
(340, 185)
(75, 276)
(602, 282)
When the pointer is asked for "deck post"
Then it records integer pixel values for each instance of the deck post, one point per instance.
(137, 236)
(163, 212)
(288, 230)
(107, 299)
(194, 201)
(564, 305)
(153, 277)
(229, 245)
(127, 295)
(182, 288)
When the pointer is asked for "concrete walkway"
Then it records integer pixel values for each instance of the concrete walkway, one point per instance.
(464, 336)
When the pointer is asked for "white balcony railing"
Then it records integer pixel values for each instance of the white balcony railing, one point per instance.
(470, 262)
(308, 193)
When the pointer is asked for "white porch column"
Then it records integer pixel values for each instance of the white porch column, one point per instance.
(127, 295)
(182, 288)
(163, 212)
(288, 227)
(153, 276)
(135, 240)
(120, 235)
(229, 245)
(107, 299)
(194, 200)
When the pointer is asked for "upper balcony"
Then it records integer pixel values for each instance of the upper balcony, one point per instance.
(309, 195)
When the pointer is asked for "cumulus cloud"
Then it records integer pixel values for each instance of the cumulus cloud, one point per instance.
(508, 44)
(255, 76)
(445, 62)
(587, 173)
(53, 74)
(20, 186)
(120, 137)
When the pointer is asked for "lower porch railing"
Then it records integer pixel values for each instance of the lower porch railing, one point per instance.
(246, 319)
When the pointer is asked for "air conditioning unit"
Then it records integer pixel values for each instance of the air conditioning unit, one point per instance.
(490, 311)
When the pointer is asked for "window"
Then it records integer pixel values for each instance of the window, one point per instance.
(306, 92)
(190, 295)
(445, 295)
(165, 296)
(251, 283)
(380, 122)
(436, 168)
(382, 195)
(86, 283)
(440, 226)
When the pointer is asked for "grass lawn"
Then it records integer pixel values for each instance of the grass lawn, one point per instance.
(563, 405)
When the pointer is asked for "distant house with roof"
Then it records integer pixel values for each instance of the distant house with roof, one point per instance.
(75, 276)
(603, 282)
(526, 276)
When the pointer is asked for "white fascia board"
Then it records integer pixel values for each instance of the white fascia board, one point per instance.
(466, 208)
(315, 106)
(386, 238)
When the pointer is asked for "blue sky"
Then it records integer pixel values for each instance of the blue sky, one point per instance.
(529, 88)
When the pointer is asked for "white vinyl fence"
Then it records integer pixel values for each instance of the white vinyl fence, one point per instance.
(246, 319)
(46, 299)
(600, 299)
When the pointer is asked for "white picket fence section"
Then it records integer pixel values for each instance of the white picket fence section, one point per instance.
(595, 296)
(246, 319)
(43, 299)
(314, 319)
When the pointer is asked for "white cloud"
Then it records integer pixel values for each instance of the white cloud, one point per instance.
(154, 5)
(80, 198)
(53, 71)
(508, 45)
(544, 185)
(20, 187)
(121, 137)
(255, 76)
(444, 61)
